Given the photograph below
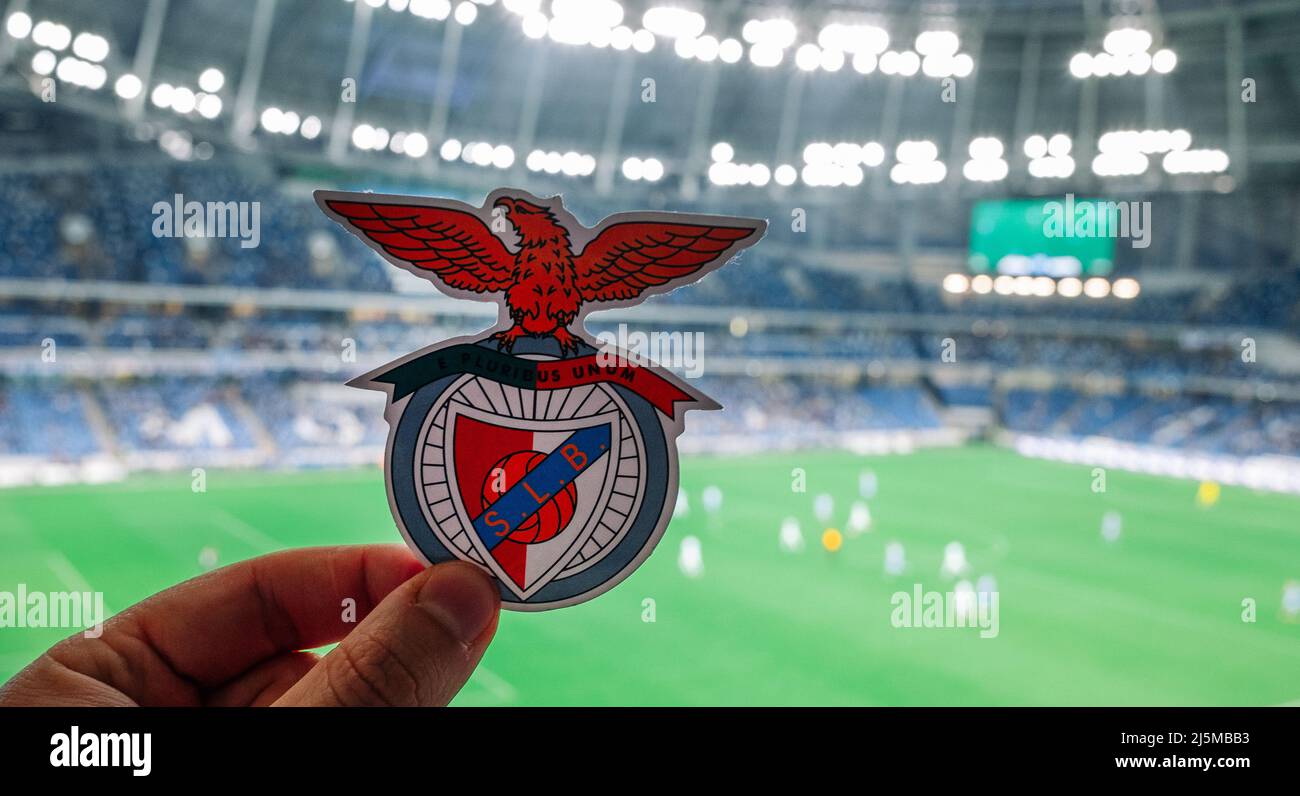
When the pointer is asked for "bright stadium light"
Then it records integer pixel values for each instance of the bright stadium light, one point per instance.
(956, 283)
(1081, 65)
(981, 284)
(785, 174)
(765, 55)
(183, 100)
(466, 13)
(503, 156)
(211, 80)
(416, 145)
(1125, 288)
(18, 25)
(1059, 145)
(937, 42)
(431, 9)
(652, 169)
(673, 23)
(864, 63)
(209, 106)
(52, 35)
(90, 47)
(1035, 146)
(1004, 285)
(873, 154)
(643, 41)
(722, 152)
(1164, 61)
(730, 51)
(450, 149)
(161, 96)
(311, 127)
(776, 32)
(1096, 287)
(128, 86)
(1069, 287)
(808, 57)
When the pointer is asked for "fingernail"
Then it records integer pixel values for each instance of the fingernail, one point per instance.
(461, 598)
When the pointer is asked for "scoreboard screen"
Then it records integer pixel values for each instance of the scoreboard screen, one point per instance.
(1018, 236)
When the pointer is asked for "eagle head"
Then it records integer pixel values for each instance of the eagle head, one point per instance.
(535, 224)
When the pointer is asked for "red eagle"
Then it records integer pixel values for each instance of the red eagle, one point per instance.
(546, 281)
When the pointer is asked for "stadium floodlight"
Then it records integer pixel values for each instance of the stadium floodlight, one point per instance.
(417, 145)
(853, 38)
(864, 62)
(652, 169)
(1059, 145)
(873, 154)
(765, 55)
(1035, 146)
(1139, 63)
(775, 32)
(310, 128)
(722, 152)
(962, 65)
(522, 7)
(956, 283)
(937, 42)
(620, 38)
(52, 35)
(90, 46)
(1196, 161)
(831, 60)
(908, 63)
(785, 174)
(450, 149)
(537, 25)
(1119, 164)
(986, 148)
(1096, 287)
(981, 284)
(1125, 288)
(914, 152)
(1164, 61)
(1044, 286)
(466, 13)
(431, 9)
(503, 156)
(1081, 65)
(1022, 285)
(209, 106)
(937, 66)
(128, 86)
(730, 51)
(673, 23)
(605, 13)
(808, 57)
(398, 5)
(211, 80)
(643, 41)
(706, 48)
(1069, 287)
(161, 97)
(1126, 41)
(18, 25)
(759, 175)
(183, 100)
(685, 47)
(1004, 285)
(375, 3)
(363, 135)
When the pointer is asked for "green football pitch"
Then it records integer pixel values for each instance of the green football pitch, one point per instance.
(1155, 617)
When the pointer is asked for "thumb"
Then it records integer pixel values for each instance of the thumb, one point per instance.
(416, 648)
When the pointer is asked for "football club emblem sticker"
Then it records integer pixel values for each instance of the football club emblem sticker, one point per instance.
(532, 450)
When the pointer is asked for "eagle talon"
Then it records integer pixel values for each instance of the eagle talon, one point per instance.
(506, 340)
(567, 340)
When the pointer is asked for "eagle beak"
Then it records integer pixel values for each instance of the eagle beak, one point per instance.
(505, 202)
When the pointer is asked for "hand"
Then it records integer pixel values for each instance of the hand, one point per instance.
(235, 637)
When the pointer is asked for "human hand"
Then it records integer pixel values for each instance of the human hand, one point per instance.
(234, 637)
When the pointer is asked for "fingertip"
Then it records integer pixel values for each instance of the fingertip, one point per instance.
(462, 598)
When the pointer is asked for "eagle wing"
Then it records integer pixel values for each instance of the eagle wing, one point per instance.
(629, 257)
(455, 245)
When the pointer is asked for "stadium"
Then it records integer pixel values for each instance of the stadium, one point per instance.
(1024, 330)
